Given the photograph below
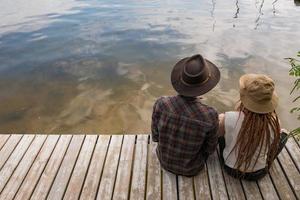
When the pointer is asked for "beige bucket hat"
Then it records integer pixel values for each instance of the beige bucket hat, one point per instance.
(257, 93)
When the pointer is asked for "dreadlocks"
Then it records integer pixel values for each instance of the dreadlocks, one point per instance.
(255, 134)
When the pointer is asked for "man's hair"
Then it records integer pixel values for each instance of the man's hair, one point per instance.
(255, 133)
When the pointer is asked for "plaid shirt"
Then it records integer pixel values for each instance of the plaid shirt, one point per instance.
(186, 132)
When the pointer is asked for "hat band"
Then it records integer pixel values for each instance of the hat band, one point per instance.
(198, 84)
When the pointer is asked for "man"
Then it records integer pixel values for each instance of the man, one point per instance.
(185, 129)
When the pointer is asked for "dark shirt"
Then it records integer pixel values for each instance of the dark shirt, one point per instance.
(186, 132)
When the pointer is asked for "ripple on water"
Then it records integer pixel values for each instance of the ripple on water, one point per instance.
(97, 66)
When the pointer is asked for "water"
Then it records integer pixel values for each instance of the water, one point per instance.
(97, 66)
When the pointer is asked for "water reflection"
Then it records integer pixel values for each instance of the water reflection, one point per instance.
(212, 14)
(20, 16)
(260, 13)
(237, 9)
(98, 66)
(273, 4)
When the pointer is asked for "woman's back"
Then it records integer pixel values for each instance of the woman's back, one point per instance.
(252, 136)
(233, 122)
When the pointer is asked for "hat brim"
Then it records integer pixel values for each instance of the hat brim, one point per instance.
(260, 108)
(194, 90)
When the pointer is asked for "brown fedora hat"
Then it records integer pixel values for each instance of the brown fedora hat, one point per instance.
(194, 76)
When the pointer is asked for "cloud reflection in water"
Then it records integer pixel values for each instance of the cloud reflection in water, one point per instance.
(97, 66)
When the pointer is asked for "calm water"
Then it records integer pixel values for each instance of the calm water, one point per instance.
(98, 66)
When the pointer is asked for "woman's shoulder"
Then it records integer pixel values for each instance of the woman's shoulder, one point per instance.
(233, 116)
(232, 113)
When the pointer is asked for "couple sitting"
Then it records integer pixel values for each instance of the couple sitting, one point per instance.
(188, 131)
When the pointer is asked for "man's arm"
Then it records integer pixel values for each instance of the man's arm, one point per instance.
(154, 123)
(211, 141)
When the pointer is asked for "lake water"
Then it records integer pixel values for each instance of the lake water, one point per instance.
(97, 66)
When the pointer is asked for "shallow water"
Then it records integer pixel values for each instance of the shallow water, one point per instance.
(97, 66)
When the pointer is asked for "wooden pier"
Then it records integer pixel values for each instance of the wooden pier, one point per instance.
(126, 167)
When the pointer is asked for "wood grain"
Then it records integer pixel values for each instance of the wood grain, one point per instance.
(294, 150)
(267, 188)
(60, 183)
(201, 182)
(291, 171)
(19, 174)
(169, 185)
(122, 185)
(251, 190)
(42, 188)
(37, 168)
(186, 188)
(280, 182)
(8, 148)
(217, 183)
(3, 139)
(81, 167)
(13, 161)
(92, 181)
(154, 175)
(107, 183)
(138, 182)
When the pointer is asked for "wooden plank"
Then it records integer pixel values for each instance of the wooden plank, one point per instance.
(217, 182)
(281, 184)
(19, 174)
(251, 190)
(297, 139)
(8, 148)
(13, 161)
(81, 167)
(138, 181)
(186, 188)
(267, 188)
(44, 184)
(122, 185)
(291, 171)
(169, 185)
(3, 139)
(110, 168)
(233, 185)
(61, 180)
(91, 183)
(37, 168)
(294, 151)
(154, 175)
(201, 183)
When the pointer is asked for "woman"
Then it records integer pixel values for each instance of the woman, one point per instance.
(251, 137)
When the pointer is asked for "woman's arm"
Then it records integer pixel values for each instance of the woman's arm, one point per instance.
(221, 124)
